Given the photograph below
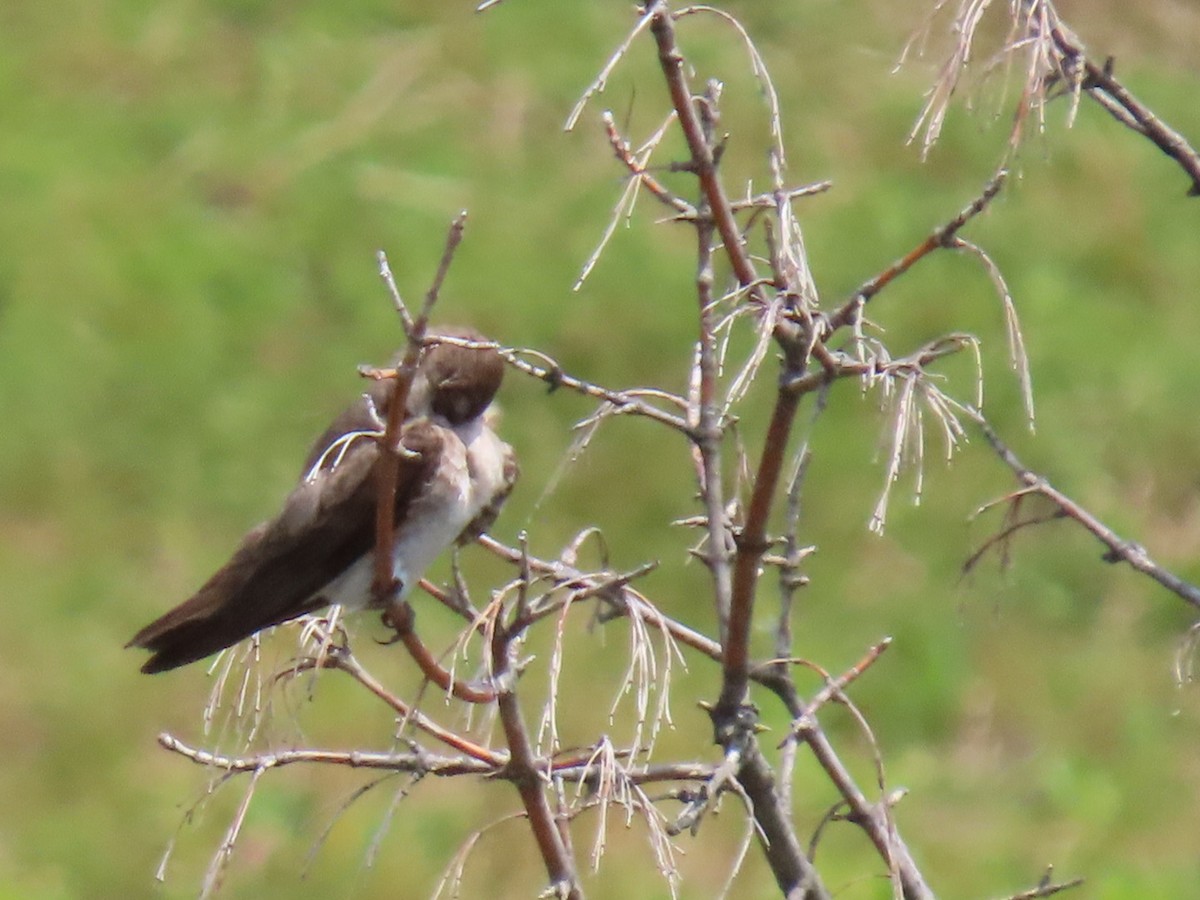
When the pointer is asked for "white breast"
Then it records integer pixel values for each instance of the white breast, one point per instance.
(487, 458)
(469, 475)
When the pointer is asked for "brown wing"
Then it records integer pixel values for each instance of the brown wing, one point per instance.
(281, 566)
(368, 413)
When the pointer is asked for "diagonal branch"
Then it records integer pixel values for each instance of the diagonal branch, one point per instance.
(529, 777)
(1119, 549)
(1104, 87)
(941, 237)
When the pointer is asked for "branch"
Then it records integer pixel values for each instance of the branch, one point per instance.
(1047, 887)
(869, 816)
(1104, 87)
(794, 872)
(708, 434)
(383, 585)
(1119, 549)
(423, 763)
(941, 237)
(529, 776)
(418, 763)
(752, 544)
(627, 402)
(387, 472)
(402, 619)
(636, 168)
(346, 662)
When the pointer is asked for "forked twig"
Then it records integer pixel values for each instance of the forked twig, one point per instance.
(1118, 549)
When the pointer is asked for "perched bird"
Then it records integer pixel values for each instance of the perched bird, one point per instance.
(319, 550)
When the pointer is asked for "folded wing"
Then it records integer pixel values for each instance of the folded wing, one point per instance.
(281, 566)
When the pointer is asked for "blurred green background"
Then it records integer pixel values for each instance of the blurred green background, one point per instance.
(192, 194)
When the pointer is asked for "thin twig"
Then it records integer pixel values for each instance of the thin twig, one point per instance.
(637, 168)
(1119, 549)
(388, 466)
(421, 763)
(348, 663)
(528, 776)
(940, 237)
(627, 402)
(708, 433)
(1046, 887)
(1104, 86)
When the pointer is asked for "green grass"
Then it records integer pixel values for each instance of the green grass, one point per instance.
(192, 197)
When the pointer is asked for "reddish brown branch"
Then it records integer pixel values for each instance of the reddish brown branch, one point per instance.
(751, 545)
(732, 718)
(401, 618)
(387, 470)
(1103, 86)
(387, 474)
(940, 237)
(703, 162)
(529, 777)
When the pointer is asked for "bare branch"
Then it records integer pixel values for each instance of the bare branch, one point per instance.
(1103, 85)
(627, 402)
(1046, 887)
(1119, 549)
(942, 236)
(421, 763)
(388, 468)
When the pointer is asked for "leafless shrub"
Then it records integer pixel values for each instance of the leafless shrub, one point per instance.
(804, 343)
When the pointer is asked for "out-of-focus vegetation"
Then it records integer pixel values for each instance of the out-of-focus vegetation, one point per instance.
(191, 194)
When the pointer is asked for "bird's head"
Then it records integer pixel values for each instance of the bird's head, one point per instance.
(454, 381)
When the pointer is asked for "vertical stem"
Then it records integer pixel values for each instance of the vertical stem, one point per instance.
(708, 431)
(703, 160)
(387, 468)
(523, 772)
(751, 545)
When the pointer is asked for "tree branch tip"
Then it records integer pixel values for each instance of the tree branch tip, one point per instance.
(373, 373)
(895, 796)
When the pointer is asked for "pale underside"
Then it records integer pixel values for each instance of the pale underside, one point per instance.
(472, 471)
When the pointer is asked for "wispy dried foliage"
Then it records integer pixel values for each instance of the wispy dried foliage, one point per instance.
(795, 343)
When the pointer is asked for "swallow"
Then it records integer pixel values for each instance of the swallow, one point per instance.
(454, 474)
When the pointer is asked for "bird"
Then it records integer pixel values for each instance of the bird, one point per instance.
(454, 474)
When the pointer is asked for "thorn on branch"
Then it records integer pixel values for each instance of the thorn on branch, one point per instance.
(1118, 548)
(1046, 887)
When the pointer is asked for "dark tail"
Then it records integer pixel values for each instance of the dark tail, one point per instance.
(176, 642)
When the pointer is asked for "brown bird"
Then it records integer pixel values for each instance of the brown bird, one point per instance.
(319, 549)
